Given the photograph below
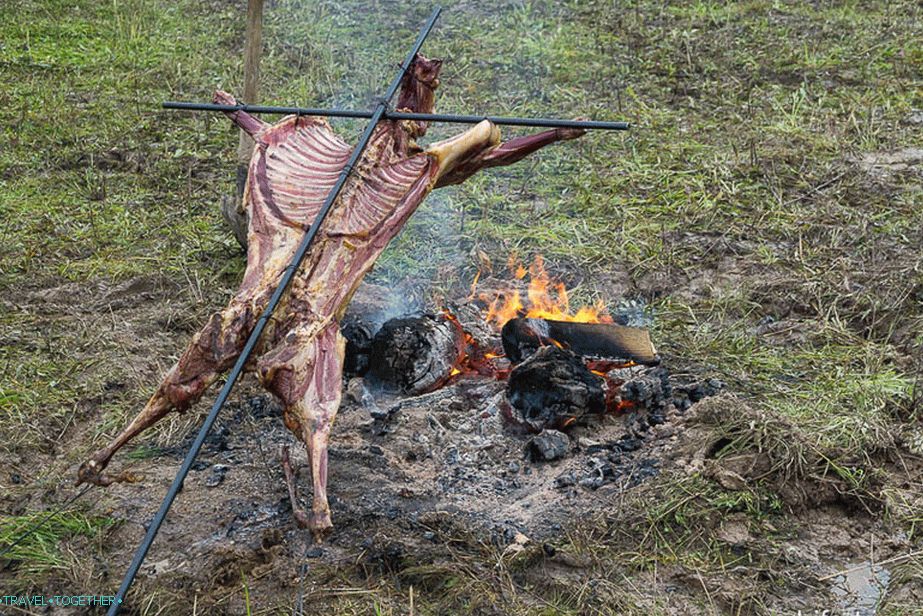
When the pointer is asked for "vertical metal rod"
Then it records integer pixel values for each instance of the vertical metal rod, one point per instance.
(287, 276)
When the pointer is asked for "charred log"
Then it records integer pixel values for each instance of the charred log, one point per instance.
(414, 355)
(359, 335)
(522, 336)
(471, 319)
(552, 389)
(370, 307)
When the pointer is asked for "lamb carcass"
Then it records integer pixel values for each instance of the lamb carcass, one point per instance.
(295, 164)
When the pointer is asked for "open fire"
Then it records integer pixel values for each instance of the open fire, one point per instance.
(559, 363)
(546, 299)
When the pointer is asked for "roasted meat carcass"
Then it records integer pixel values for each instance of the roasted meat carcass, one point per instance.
(300, 356)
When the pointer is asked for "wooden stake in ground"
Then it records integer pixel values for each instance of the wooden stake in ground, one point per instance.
(233, 209)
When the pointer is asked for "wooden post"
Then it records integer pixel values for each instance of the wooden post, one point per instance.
(253, 47)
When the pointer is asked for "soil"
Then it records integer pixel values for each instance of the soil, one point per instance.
(411, 474)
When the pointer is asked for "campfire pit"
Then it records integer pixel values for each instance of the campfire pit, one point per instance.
(561, 367)
(520, 430)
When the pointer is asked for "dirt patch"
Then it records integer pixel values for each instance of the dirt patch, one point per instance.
(411, 476)
(884, 164)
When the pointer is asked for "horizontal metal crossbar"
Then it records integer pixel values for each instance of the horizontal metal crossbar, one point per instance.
(402, 115)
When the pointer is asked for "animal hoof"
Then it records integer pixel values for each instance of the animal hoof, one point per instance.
(320, 525)
(91, 472)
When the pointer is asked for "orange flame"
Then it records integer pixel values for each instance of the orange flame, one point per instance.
(547, 299)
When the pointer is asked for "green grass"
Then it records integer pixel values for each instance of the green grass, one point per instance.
(46, 550)
(733, 201)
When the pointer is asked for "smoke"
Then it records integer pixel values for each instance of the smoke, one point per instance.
(633, 312)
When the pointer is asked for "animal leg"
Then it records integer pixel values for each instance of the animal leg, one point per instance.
(291, 481)
(248, 123)
(212, 351)
(305, 370)
(468, 159)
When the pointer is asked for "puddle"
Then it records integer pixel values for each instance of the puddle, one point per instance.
(859, 590)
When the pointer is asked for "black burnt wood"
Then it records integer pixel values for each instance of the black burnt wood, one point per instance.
(414, 355)
(521, 336)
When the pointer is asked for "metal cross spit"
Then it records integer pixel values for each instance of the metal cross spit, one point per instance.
(377, 114)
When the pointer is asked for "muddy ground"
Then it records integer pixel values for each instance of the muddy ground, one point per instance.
(422, 488)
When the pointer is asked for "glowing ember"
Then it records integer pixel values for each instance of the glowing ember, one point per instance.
(547, 299)
(544, 298)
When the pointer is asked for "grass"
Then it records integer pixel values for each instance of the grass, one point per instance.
(50, 548)
(734, 207)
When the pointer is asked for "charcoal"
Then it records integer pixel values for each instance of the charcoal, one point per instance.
(651, 391)
(704, 389)
(645, 469)
(552, 388)
(682, 403)
(687, 395)
(548, 445)
(629, 443)
(216, 477)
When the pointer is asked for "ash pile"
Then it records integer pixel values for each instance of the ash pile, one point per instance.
(515, 426)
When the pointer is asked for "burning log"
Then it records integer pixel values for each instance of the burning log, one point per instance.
(552, 389)
(522, 336)
(414, 355)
